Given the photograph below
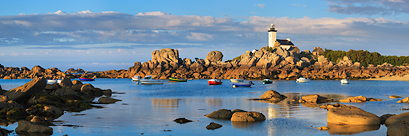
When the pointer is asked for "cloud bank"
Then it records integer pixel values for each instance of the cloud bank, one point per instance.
(66, 30)
(369, 7)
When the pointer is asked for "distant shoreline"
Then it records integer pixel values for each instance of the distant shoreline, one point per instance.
(392, 78)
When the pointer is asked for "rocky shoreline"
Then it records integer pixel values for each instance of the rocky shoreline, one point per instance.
(271, 63)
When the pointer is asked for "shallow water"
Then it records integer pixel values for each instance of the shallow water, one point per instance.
(151, 109)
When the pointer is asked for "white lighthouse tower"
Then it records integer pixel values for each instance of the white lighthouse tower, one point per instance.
(272, 35)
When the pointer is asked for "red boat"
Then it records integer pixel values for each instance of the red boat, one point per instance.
(86, 79)
(214, 82)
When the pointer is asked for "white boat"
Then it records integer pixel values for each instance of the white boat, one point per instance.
(136, 78)
(302, 80)
(236, 80)
(344, 81)
(52, 81)
(147, 80)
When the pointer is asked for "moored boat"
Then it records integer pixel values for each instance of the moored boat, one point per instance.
(174, 79)
(52, 81)
(344, 81)
(86, 79)
(302, 80)
(236, 80)
(241, 84)
(267, 81)
(214, 82)
(136, 78)
(148, 80)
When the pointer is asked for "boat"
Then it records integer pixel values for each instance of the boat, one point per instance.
(302, 80)
(241, 84)
(148, 80)
(174, 79)
(52, 81)
(214, 82)
(267, 81)
(344, 81)
(136, 78)
(236, 80)
(86, 79)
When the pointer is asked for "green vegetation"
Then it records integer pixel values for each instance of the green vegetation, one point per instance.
(365, 57)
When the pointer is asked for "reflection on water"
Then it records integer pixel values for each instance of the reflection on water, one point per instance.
(165, 103)
(152, 109)
(350, 129)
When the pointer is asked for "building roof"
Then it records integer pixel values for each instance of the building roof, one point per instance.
(285, 42)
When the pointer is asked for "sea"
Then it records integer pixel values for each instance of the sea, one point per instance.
(151, 109)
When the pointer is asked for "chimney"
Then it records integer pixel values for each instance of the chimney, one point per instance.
(288, 39)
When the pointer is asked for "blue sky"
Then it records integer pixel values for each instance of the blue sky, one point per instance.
(104, 35)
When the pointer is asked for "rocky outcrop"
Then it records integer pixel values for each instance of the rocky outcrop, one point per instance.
(314, 98)
(271, 96)
(354, 99)
(350, 115)
(182, 120)
(23, 93)
(214, 56)
(405, 100)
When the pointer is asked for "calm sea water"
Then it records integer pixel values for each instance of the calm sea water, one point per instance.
(151, 109)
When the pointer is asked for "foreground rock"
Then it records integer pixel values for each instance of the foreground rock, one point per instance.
(26, 126)
(213, 126)
(399, 128)
(271, 96)
(23, 93)
(248, 116)
(396, 118)
(350, 115)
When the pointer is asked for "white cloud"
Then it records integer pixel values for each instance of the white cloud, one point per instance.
(155, 13)
(199, 37)
(261, 5)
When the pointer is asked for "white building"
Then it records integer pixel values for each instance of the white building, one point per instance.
(273, 41)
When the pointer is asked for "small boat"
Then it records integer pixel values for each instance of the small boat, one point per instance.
(174, 79)
(241, 84)
(267, 81)
(52, 81)
(147, 80)
(236, 80)
(214, 82)
(302, 80)
(136, 78)
(86, 79)
(344, 81)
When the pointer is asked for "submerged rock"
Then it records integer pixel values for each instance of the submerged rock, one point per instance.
(107, 100)
(213, 126)
(182, 120)
(221, 114)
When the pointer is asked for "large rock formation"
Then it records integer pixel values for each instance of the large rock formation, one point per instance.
(24, 92)
(350, 115)
(214, 56)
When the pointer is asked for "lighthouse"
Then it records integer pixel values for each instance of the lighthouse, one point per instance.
(272, 35)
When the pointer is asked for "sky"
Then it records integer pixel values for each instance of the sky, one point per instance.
(98, 35)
